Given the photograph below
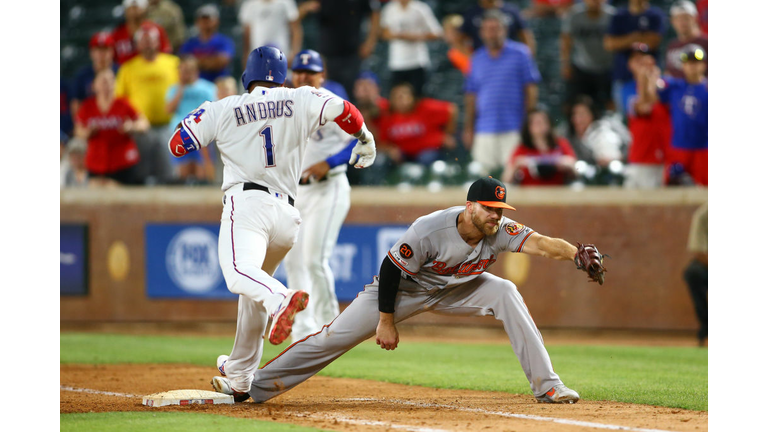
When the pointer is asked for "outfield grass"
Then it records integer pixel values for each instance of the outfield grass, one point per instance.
(665, 376)
(168, 422)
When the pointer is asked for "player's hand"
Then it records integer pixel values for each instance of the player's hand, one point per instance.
(316, 171)
(364, 152)
(386, 335)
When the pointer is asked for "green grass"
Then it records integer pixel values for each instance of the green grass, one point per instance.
(665, 376)
(168, 422)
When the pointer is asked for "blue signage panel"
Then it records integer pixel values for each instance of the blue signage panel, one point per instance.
(73, 273)
(182, 260)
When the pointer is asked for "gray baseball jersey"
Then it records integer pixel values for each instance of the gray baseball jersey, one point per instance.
(433, 254)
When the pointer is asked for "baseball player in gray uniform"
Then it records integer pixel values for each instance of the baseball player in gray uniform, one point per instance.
(438, 265)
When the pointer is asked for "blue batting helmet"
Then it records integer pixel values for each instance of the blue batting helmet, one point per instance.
(265, 64)
(308, 60)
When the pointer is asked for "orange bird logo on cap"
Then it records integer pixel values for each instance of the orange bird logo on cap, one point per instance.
(500, 192)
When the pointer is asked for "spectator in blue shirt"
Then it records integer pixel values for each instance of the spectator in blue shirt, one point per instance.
(500, 87)
(213, 50)
(102, 54)
(638, 23)
(183, 98)
(688, 102)
(517, 29)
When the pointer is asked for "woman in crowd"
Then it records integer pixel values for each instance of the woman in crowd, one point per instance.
(106, 124)
(542, 158)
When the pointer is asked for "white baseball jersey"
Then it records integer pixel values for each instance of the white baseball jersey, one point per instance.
(262, 136)
(433, 254)
(326, 141)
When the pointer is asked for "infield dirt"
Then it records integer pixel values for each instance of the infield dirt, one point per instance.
(347, 404)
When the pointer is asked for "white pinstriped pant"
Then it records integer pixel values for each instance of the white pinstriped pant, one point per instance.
(257, 230)
(323, 207)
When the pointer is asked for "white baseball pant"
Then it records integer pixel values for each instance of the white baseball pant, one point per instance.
(257, 230)
(485, 295)
(323, 207)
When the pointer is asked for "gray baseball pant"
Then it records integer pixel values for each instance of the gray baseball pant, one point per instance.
(485, 295)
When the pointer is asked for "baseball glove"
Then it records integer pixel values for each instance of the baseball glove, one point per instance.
(589, 259)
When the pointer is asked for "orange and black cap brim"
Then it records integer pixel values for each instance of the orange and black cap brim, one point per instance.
(497, 204)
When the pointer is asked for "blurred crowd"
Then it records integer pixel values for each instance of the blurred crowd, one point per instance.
(635, 106)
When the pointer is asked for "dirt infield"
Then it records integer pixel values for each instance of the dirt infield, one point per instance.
(348, 404)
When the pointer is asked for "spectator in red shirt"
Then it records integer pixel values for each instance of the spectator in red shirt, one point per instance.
(106, 123)
(416, 130)
(135, 15)
(542, 158)
(649, 125)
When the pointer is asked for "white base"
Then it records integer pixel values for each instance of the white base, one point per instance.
(187, 397)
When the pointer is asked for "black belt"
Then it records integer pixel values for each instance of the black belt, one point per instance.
(254, 186)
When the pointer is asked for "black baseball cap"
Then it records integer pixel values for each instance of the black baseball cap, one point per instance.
(489, 192)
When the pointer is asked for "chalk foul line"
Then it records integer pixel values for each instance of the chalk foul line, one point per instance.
(511, 415)
(416, 404)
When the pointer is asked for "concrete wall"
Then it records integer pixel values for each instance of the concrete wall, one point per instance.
(644, 232)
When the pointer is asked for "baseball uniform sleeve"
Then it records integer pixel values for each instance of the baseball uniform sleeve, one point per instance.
(200, 125)
(512, 236)
(411, 251)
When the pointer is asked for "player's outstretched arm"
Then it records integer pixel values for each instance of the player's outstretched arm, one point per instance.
(586, 257)
(389, 283)
(349, 119)
(549, 247)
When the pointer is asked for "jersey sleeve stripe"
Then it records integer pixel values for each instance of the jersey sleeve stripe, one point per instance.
(191, 134)
(391, 258)
(524, 240)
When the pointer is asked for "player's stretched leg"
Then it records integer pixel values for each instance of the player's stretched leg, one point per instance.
(305, 358)
(251, 222)
(492, 295)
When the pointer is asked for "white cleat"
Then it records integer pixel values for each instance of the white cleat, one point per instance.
(222, 385)
(559, 394)
(220, 363)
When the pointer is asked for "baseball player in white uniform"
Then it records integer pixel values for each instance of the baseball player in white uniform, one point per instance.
(323, 202)
(262, 137)
(438, 265)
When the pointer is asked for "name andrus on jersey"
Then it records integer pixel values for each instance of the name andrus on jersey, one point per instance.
(463, 269)
(263, 111)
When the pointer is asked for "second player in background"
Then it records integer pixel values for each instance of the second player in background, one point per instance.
(323, 201)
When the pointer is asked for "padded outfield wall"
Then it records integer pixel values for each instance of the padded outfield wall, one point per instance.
(148, 254)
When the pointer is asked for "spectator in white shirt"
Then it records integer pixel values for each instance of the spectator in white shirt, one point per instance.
(271, 22)
(408, 25)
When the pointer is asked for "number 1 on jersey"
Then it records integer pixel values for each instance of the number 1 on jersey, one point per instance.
(266, 133)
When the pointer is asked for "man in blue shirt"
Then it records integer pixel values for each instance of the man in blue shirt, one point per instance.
(183, 98)
(500, 87)
(688, 101)
(638, 23)
(517, 29)
(213, 50)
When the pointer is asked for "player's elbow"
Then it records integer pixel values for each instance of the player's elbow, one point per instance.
(176, 145)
